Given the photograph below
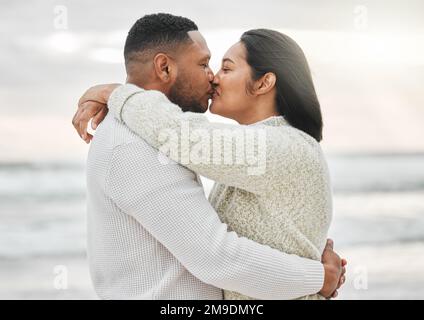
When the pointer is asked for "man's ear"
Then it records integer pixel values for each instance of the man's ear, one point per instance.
(265, 84)
(165, 67)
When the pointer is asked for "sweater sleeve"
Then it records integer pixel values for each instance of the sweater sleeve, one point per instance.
(247, 157)
(173, 209)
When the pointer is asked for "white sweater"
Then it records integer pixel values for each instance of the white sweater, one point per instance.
(273, 182)
(152, 234)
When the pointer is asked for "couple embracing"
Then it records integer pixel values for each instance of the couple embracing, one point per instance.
(262, 234)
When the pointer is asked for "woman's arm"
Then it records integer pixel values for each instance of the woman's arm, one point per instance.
(248, 157)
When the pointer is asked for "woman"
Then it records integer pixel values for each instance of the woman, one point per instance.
(283, 200)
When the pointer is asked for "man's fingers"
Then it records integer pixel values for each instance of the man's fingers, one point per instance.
(329, 245)
(341, 282)
(342, 279)
(335, 294)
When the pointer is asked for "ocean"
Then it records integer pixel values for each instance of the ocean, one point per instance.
(378, 227)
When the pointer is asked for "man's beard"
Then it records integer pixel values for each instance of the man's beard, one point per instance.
(181, 94)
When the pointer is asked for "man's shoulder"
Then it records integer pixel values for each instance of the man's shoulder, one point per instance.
(116, 133)
(110, 138)
(117, 143)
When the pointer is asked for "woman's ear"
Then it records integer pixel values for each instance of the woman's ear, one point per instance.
(165, 67)
(265, 84)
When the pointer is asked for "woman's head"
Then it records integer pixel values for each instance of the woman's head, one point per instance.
(266, 73)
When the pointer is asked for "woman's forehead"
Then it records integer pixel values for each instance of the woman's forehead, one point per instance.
(235, 53)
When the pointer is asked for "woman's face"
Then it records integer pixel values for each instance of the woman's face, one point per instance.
(231, 98)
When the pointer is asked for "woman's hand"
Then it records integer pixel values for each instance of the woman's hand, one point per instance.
(92, 106)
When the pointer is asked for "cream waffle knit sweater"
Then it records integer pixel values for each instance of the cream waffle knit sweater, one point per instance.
(272, 181)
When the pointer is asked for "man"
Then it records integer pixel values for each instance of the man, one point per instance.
(152, 234)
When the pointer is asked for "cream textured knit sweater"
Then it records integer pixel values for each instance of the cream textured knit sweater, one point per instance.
(272, 185)
(152, 233)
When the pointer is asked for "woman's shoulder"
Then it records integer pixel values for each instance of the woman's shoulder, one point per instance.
(279, 131)
(287, 143)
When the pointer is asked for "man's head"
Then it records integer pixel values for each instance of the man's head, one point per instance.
(167, 53)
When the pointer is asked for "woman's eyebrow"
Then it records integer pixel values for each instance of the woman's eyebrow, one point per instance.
(227, 60)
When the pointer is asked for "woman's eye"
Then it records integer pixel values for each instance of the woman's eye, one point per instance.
(225, 69)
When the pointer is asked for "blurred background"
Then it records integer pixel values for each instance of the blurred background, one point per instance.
(367, 60)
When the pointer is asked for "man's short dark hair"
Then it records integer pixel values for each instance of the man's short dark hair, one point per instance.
(155, 32)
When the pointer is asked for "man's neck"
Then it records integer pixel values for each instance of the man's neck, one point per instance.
(147, 85)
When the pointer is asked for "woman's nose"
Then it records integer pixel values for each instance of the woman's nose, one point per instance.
(216, 79)
(210, 75)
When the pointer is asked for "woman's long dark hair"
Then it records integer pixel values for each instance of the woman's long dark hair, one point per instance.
(272, 51)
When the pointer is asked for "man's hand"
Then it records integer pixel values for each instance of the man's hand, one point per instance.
(335, 269)
(92, 105)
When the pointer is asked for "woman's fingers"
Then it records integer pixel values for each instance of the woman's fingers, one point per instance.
(99, 117)
(83, 123)
(92, 106)
(76, 120)
(87, 111)
(92, 94)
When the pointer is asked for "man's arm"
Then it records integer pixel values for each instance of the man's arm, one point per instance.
(173, 208)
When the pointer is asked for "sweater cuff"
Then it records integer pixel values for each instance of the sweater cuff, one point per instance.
(119, 96)
(314, 276)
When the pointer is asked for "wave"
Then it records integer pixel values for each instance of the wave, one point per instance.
(350, 173)
(377, 172)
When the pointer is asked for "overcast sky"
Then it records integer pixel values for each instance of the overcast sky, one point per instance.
(95, 15)
(368, 75)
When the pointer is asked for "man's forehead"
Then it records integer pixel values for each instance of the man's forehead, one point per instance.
(199, 42)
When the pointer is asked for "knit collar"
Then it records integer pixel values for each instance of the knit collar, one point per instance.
(274, 121)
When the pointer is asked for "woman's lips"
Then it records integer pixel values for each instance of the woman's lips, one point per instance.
(211, 93)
